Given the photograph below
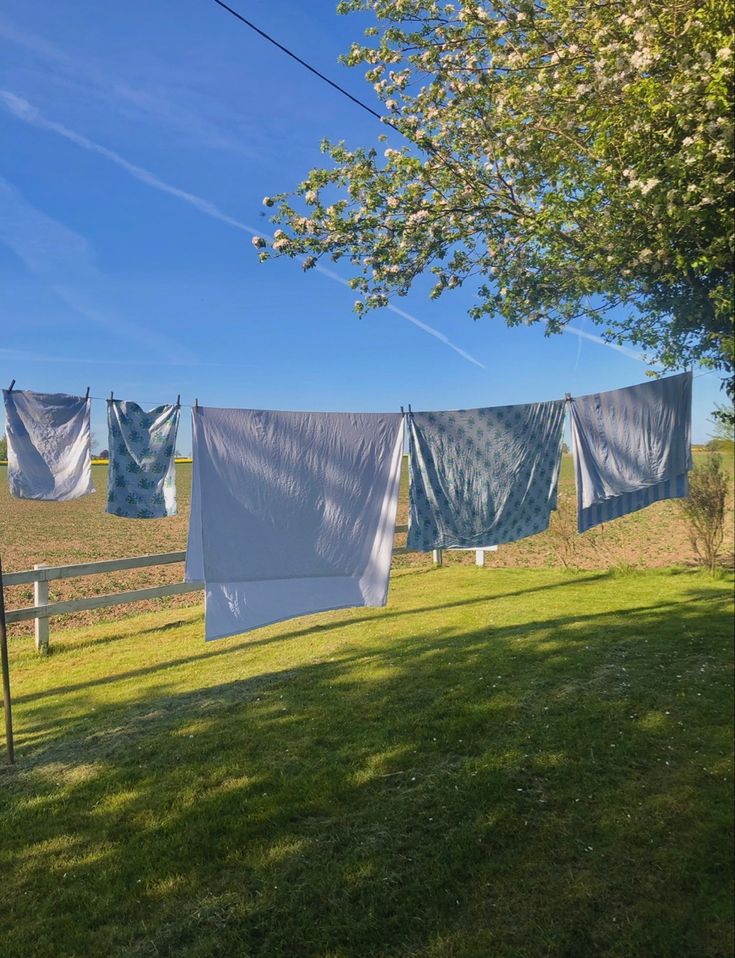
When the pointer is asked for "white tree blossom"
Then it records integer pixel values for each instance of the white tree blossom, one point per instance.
(563, 158)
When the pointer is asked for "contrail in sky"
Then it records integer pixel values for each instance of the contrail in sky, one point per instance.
(630, 353)
(25, 111)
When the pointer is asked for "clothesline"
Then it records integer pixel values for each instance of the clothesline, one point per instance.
(293, 513)
(183, 405)
(568, 397)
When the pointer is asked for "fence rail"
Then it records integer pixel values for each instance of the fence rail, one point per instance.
(40, 576)
(99, 601)
(42, 573)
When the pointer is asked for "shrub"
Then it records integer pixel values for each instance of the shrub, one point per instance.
(723, 437)
(721, 445)
(704, 509)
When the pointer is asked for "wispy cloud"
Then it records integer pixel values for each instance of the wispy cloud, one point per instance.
(580, 340)
(26, 355)
(144, 101)
(45, 246)
(65, 263)
(25, 111)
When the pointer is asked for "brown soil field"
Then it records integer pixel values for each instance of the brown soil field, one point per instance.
(81, 531)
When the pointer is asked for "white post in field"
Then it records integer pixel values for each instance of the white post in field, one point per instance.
(40, 597)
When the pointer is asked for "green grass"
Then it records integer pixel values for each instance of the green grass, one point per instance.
(500, 763)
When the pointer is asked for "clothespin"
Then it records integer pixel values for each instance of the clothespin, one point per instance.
(111, 397)
(402, 412)
(567, 397)
(86, 395)
(409, 409)
(10, 387)
(178, 400)
(196, 404)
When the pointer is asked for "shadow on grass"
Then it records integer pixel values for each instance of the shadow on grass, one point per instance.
(554, 788)
(310, 631)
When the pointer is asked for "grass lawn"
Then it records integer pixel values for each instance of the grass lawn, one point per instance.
(503, 762)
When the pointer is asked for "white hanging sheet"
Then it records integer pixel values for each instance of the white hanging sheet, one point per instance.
(291, 513)
(48, 445)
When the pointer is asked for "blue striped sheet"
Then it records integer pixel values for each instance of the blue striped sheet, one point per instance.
(677, 488)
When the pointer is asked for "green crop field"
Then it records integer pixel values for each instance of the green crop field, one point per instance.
(501, 763)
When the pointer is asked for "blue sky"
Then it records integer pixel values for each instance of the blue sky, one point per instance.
(138, 141)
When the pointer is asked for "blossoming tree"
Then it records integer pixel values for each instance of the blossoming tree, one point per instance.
(567, 159)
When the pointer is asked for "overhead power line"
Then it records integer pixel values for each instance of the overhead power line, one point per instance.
(308, 66)
(450, 163)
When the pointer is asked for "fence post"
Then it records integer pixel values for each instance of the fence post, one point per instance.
(437, 556)
(479, 557)
(9, 747)
(40, 597)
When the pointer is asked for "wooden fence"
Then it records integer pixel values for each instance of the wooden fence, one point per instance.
(40, 575)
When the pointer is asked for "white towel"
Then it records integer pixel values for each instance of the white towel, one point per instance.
(291, 513)
(48, 445)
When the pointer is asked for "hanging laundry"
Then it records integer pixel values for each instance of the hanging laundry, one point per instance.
(141, 482)
(48, 445)
(291, 513)
(481, 477)
(632, 447)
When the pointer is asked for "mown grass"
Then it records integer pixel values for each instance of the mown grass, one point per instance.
(500, 763)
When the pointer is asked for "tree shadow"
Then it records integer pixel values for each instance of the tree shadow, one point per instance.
(313, 629)
(523, 789)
